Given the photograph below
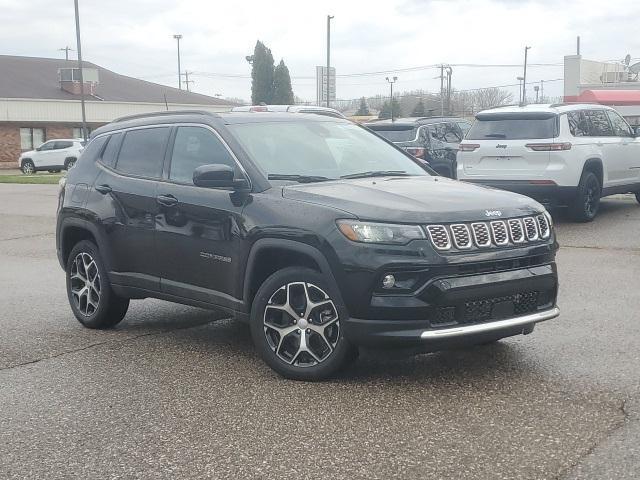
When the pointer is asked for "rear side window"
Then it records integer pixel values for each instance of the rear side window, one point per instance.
(94, 147)
(194, 147)
(142, 152)
(513, 127)
(620, 126)
(110, 153)
(599, 125)
(60, 145)
(446, 132)
(578, 124)
(395, 133)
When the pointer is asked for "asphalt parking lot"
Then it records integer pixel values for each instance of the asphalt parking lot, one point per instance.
(178, 392)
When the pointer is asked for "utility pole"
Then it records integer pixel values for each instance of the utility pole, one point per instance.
(186, 79)
(391, 82)
(178, 37)
(449, 73)
(441, 90)
(519, 90)
(524, 77)
(536, 88)
(542, 90)
(578, 45)
(329, 17)
(79, 47)
(66, 51)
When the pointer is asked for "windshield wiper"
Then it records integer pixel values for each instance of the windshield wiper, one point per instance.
(377, 173)
(298, 178)
(495, 135)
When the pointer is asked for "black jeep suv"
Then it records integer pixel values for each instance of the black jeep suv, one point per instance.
(432, 140)
(320, 234)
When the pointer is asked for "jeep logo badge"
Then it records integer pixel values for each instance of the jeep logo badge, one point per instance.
(501, 146)
(493, 213)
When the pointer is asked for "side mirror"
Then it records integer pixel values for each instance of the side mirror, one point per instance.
(217, 175)
(38, 149)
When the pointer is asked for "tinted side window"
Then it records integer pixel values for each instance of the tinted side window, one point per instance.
(47, 146)
(620, 126)
(61, 145)
(92, 152)
(194, 147)
(598, 123)
(142, 152)
(578, 124)
(110, 153)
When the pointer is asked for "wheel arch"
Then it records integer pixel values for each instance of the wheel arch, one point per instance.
(596, 166)
(74, 230)
(268, 255)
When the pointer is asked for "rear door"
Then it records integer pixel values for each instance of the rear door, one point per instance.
(62, 150)
(601, 133)
(629, 148)
(502, 140)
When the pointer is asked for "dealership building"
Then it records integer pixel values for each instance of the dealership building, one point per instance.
(40, 100)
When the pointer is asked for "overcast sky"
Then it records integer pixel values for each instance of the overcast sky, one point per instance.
(135, 37)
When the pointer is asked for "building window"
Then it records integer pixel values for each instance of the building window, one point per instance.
(77, 132)
(31, 138)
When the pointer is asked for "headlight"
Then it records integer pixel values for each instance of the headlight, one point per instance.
(369, 232)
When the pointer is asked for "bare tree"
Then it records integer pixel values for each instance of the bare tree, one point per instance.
(471, 101)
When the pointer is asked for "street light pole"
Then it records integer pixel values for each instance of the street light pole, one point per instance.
(66, 51)
(79, 47)
(178, 37)
(524, 77)
(519, 90)
(329, 17)
(391, 82)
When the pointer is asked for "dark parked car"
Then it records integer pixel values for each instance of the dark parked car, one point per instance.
(432, 139)
(320, 234)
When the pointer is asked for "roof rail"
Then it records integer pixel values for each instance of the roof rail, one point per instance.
(163, 114)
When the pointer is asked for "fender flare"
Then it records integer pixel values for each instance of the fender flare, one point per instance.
(298, 247)
(598, 162)
(71, 222)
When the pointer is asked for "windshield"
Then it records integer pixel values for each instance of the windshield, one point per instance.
(320, 149)
(517, 128)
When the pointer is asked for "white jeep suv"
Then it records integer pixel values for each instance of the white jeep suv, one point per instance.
(53, 156)
(558, 154)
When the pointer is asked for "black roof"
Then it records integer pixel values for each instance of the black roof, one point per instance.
(37, 78)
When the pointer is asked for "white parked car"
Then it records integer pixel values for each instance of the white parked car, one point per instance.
(53, 156)
(559, 154)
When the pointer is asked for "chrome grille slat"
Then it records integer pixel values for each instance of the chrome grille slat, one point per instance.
(461, 236)
(530, 229)
(491, 234)
(516, 230)
(499, 233)
(439, 236)
(481, 234)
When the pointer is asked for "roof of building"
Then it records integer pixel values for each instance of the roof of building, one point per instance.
(37, 78)
(611, 97)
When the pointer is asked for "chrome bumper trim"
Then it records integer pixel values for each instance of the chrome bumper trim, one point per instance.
(490, 326)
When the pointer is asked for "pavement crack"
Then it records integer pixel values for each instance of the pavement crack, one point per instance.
(593, 247)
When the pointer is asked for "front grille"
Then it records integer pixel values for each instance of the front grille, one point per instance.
(497, 233)
(439, 237)
(484, 309)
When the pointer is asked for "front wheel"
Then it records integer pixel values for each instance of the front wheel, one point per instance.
(28, 168)
(92, 300)
(295, 325)
(585, 205)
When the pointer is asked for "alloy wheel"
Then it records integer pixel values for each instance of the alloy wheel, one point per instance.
(301, 324)
(28, 168)
(85, 284)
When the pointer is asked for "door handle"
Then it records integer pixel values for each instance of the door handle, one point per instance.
(103, 189)
(167, 200)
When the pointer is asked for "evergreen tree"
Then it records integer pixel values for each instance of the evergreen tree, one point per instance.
(261, 75)
(282, 91)
(418, 110)
(364, 108)
(385, 111)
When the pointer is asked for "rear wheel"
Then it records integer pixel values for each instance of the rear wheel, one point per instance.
(28, 168)
(92, 301)
(295, 325)
(69, 163)
(585, 205)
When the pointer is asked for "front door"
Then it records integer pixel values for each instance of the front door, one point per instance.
(45, 155)
(199, 229)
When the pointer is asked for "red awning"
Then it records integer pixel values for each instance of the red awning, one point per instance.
(610, 97)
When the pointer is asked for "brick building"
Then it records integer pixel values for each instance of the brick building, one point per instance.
(40, 100)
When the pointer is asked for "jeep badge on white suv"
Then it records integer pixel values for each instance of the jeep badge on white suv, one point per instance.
(568, 155)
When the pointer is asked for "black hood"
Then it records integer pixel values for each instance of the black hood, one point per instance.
(423, 199)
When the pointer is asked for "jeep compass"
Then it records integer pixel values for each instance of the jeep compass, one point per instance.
(323, 236)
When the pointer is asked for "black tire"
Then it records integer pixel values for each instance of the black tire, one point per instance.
(585, 205)
(28, 167)
(328, 351)
(101, 307)
(69, 163)
(638, 196)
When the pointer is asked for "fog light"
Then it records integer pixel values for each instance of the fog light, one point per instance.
(388, 281)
